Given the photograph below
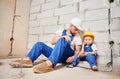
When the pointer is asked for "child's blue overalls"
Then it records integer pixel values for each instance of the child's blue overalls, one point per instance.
(58, 54)
(90, 58)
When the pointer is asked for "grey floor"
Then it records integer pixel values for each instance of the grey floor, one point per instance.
(61, 72)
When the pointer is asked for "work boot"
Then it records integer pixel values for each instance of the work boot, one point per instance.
(42, 68)
(94, 68)
(0, 63)
(21, 63)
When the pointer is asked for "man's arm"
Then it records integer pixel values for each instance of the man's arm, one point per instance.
(78, 49)
(55, 38)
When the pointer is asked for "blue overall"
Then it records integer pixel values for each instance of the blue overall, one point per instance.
(90, 58)
(58, 54)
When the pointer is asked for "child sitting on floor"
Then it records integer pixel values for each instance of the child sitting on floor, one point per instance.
(88, 52)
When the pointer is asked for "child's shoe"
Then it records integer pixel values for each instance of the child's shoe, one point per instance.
(94, 68)
(74, 64)
(70, 66)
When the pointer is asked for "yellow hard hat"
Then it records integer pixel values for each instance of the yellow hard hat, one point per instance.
(88, 34)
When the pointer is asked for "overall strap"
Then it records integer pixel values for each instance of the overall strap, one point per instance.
(88, 48)
(64, 33)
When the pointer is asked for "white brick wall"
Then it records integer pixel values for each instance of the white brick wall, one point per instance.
(66, 2)
(103, 60)
(49, 21)
(49, 0)
(33, 38)
(37, 2)
(34, 23)
(116, 36)
(101, 37)
(44, 14)
(47, 16)
(92, 4)
(46, 37)
(35, 9)
(36, 30)
(115, 25)
(116, 64)
(103, 49)
(50, 5)
(66, 18)
(102, 63)
(30, 45)
(97, 14)
(48, 30)
(66, 10)
(116, 49)
(100, 25)
(115, 12)
(33, 17)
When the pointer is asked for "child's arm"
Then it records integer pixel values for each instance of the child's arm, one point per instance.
(78, 50)
(94, 52)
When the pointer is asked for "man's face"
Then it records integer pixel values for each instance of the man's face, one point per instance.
(73, 29)
(88, 40)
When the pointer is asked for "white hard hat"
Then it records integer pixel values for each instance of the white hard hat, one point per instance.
(77, 22)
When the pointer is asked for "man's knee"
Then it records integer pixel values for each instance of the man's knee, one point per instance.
(39, 43)
(61, 39)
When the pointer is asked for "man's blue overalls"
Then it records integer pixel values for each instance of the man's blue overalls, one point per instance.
(90, 58)
(58, 54)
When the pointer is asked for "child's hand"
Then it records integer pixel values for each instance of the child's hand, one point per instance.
(82, 54)
(87, 53)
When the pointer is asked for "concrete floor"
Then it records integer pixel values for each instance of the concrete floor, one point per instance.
(61, 72)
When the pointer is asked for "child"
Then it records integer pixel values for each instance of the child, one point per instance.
(88, 52)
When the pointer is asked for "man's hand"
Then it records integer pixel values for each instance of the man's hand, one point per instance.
(70, 59)
(67, 38)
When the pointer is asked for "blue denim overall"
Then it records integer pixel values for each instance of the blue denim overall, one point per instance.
(90, 58)
(58, 54)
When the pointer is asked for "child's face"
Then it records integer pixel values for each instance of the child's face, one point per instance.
(88, 40)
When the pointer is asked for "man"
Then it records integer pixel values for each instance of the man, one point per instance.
(67, 46)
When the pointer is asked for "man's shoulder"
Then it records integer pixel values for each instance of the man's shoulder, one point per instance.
(59, 32)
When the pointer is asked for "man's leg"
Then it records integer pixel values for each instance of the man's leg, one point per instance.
(54, 58)
(38, 49)
(59, 51)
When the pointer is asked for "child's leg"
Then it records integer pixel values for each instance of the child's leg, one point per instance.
(75, 61)
(91, 59)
